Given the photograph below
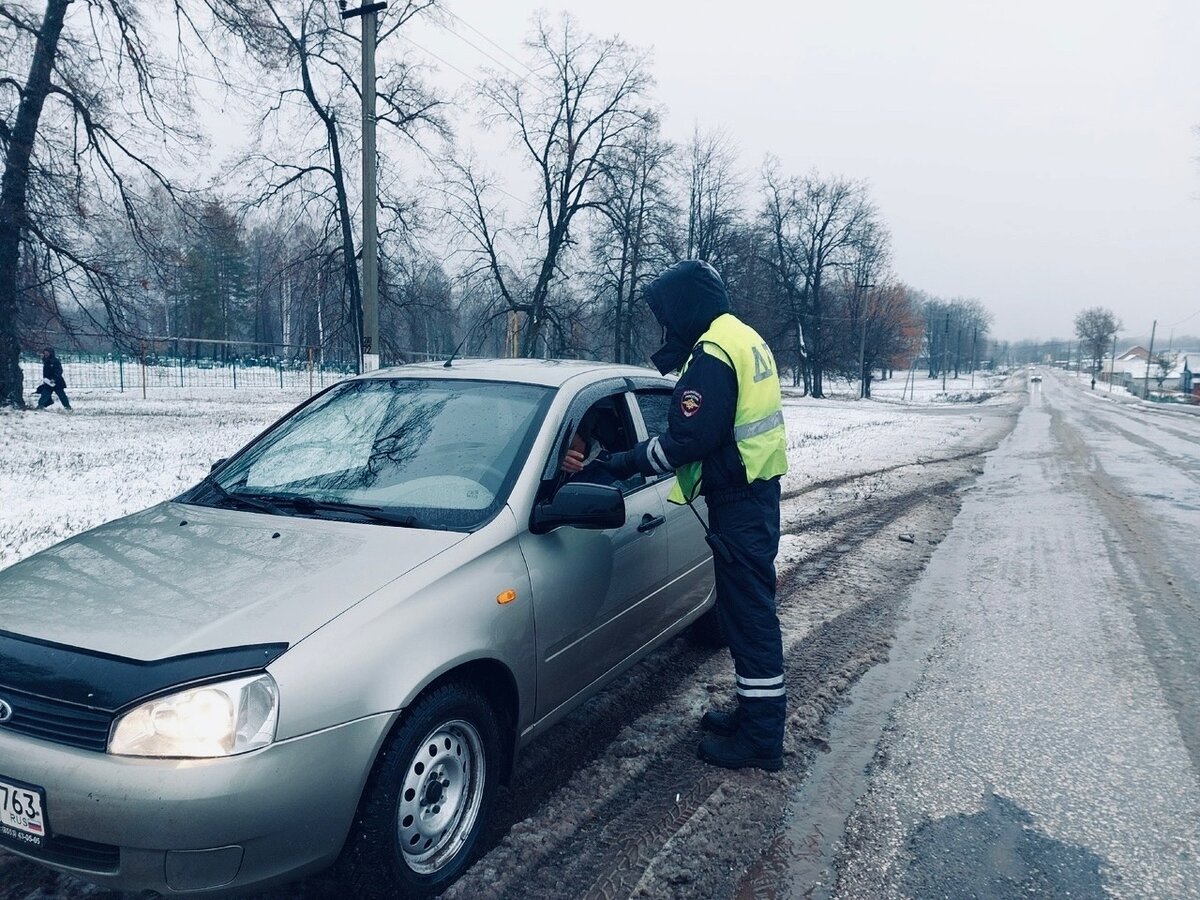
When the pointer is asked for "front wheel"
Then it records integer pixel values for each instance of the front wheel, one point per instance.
(428, 797)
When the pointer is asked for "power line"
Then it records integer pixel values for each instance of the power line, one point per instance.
(475, 46)
(443, 61)
(1184, 319)
(490, 41)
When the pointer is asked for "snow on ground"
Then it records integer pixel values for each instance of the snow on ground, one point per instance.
(918, 387)
(831, 439)
(62, 473)
(65, 472)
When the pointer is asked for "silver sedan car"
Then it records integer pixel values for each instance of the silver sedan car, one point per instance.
(333, 649)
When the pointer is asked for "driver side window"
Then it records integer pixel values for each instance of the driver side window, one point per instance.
(604, 427)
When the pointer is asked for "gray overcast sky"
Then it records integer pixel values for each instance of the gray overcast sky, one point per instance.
(1041, 156)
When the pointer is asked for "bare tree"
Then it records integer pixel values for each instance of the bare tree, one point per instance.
(627, 242)
(582, 101)
(867, 303)
(79, 133)
(782, 257)
(1096, 327)
(302, 153)
(714, 190)
(817, 225)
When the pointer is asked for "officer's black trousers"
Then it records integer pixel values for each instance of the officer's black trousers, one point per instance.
(748, 522)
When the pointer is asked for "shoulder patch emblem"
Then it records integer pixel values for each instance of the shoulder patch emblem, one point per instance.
(689, 403)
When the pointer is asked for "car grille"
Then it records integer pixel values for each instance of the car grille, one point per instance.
(56, 721)
(73, 852)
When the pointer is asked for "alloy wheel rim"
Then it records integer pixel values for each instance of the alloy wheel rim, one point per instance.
(441, 796)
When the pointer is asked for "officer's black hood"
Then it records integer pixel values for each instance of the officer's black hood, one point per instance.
(685, 299)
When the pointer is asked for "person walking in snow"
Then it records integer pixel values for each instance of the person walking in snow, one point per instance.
(726, 423)
(52, 381)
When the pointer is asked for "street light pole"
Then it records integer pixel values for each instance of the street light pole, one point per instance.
(370, 249)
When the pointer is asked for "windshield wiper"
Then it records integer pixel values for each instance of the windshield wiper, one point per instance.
(256, 503)
(306, 505)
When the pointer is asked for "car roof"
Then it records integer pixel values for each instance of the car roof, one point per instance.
(547, 372)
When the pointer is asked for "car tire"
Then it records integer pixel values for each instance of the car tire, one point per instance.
(428, 798)
(707, 631)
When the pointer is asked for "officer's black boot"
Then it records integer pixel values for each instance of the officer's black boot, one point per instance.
(757, 741)
(720, 723)
(737, 753)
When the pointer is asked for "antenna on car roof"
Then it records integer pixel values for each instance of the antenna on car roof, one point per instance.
(449, 362)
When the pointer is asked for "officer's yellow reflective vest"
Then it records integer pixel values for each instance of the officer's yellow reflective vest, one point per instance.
(758, 420)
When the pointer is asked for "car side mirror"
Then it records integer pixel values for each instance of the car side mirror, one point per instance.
(596, 506)
(220, 462)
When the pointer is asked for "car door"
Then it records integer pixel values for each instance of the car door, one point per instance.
(689, 560)
(593, 590)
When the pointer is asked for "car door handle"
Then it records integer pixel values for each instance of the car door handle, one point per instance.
(649, 522)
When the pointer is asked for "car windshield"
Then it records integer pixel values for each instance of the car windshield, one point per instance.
(427, 453)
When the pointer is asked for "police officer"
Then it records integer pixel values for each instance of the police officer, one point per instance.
(725, 441)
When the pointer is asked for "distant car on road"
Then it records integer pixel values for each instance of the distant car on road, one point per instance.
(336, 645)
(1035, 378)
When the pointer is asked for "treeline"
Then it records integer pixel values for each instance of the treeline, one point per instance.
(110, 239)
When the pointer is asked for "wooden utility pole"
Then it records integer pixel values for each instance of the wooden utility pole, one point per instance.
(1149, 358)
(1112, 364)
(370, 248)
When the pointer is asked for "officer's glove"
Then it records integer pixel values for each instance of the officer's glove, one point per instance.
(621, 464)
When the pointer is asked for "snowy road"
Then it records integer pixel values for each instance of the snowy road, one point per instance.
(612, 802)
(1003, 703)
(1043, 738)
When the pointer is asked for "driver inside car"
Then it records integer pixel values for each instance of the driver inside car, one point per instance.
(579, 463)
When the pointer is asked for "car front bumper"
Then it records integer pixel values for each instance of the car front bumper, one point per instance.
(197, 826)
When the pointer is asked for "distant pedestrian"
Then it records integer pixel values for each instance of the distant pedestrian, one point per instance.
(52, 381)
(1093, 382)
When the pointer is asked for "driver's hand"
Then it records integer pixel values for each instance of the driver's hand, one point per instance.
(573, 462)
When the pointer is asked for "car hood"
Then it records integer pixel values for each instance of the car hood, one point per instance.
(178, 579)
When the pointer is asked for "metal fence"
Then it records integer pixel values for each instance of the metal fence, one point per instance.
(184, 363)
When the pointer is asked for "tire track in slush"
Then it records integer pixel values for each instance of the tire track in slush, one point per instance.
(552, 760)
(607, 856)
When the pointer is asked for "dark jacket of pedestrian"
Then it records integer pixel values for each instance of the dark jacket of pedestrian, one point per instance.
(53, 382)
(52, 370)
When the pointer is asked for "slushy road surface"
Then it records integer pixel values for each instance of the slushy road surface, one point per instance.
(1049, 741)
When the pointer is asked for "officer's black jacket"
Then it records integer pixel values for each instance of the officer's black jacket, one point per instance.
(686, 299)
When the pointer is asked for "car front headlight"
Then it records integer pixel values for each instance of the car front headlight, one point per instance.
(211, 720)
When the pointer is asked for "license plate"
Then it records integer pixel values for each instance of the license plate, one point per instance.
(22, 814)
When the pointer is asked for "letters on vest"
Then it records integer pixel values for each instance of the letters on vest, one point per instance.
(758, 424)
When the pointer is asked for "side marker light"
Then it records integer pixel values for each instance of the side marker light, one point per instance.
(506, 596)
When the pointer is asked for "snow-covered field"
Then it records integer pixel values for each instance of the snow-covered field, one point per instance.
(62, 473)
(65, 472)
(917, 387)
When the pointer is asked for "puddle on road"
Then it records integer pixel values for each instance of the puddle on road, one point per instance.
(798, 865)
